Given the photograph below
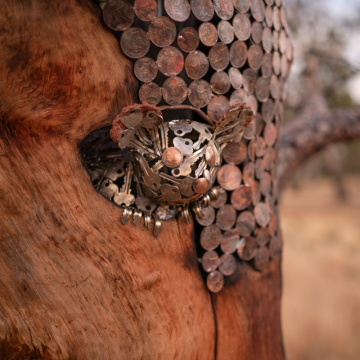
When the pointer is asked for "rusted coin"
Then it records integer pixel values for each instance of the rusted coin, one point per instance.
(220, 82)
(170, 61)
(256, 194)
(242, 26)
(289, 49)
(196, 65)
(258, 10)
(269, 200)
(283, 18)
(265, 183)
(282, 41)
(262, 236)
(172, 157)
(208, 34)
(225, 31)
(260, 147)
(274, 87)
(269, 2)
(270, 134)
(242, 6)
(250, 131)
(219, 56)
(276, 18)
(267, 40)
(262, 214)
(251, 150)
(235, 78)
(235, 153)
(210, 260)
(245, 223)
(269, 159)
(227, 264)
(209, 216)
(262, 258)
(229, 241)
(259, 168)
(249, 174)
(238, 96)
(188, 39)
(118, 15)
(199, 93)
(259, 124)
(145, 69)
(221, 200)
(284, 66)
(269, 16)
(217, 107)
(256, 32)
(178, 10)
(201, 185)
(275, 40)
(266, 66)
(215, 281)
(174, 90)
(210, 237)
(249, 80)
(255, 56)
(273, 225)
(249, 250)
(262, 89)
(267, 111)
(238, 54)
(275, 247)
(135, 43)
(203, 10)
(162, 31)
(150, 93)
(146, 10)
(226, 217)
(241, 197)
(224, 9)
(253, 104)
(229, 177)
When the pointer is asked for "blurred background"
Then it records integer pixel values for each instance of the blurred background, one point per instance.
(321, 207)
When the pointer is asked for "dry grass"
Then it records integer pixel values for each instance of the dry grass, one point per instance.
(321, 272)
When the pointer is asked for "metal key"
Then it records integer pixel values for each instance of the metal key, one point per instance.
(154, 132)
(150, 179)
(125, 137)
(204, 132)
(124, 196)
(185, 168)
(141, 135)
(164, 130)
(152, 119)
(169, 194)
(133, 119)
(142, 149)
(181, 127)
(115, 171)
(199, 171)
(108, 189)
(184, 185)
(184, 145)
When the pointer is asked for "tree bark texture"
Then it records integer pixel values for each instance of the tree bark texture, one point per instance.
(74, 282)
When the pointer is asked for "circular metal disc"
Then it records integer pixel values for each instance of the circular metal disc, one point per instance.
(284, 66)
(276, 18)
(265, 183)
(209, 216)
(235, 153)
(238, 54)
(241, 197)
(242, 27)
(245, 223)
(199, 93)
(252, 103)
(215, 281)
(135, 43)
(258, 10)
(227, 264)
(238, 96)
(230, 241)
(262, 89)
(236, 78)
(118, 15)
(282, 41)
(188, 39)
(250, 131)
(146, 10)
(259, 123)
(162, 31)
(255, 56)
(225, 31)
(270, 134)
(229, 177)
(266, 66)
(217, 107)
(262, 236)
(226, 217)
(221, 200)
(249, 80)
(267, 39)
(268, 111)
(219, 56)
(269, 16)
(251, 150)
(220, 82)
(256, 32)
(262, 214)
(145, 69)
(262, 258)
(256, 195)
(178, 10)
(196, 65)
(210, 237)
(274, 87)
(210, 260)
(150, 93)
(260, 147)
(203, 10)
(249, 174)
(275, 40)
(269, 2)
(242, 6)
(224, 9)
(249, 250)
(174, 91)
(276, 62)
(170, 61)
(208, 34)
(259, 169)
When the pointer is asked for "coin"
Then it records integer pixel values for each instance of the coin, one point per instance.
(242, 26)
(289, 50)
(269, 159)
(269, 200)
(238, 97)
(209, 216)
(245, 223)
(251, 150)
(275, 40)
(269, 16)
(269, 2)
(226, 217)
(249, 173)
(174, 90)
(259, 168)
(203, 10)
(150, 93)
(250, 131)
(266, 66)
(262, 236)
(208, 34)
(227, 264)
(118, 15)
(274, 87)
(273, 225)
(221, 200)
(258, 10)
(219, 56)
(146, 10)
(270, 134)
(172, 157)
(256, 32)
(275, 247)
(255, 56)
(235, 153)
(249, 250)
(238, 54)
(215, 280)
(256, 194)
(262, 258)
(229, 241)
(178, 10)
(284, 66)
(217, 107)
(262, 89)
(260, 147)
(282, 41)
(199, 93)
(201, 185)
(262, 214)
(253, 104)
(267, 40)
(188, 39)
(242, 6)
(210, 237)
(259, 124)
(145, 69)
(229, 177)
(225, 31)
(220, 82)
(170, 61)
(224, 9)
(283, 18)
(210, 260)
(135, 43)
(196, 65)
(265, 183)
(276, 18)
(249, 80)
(268, 111)
(241, 197)
(235, 78)
(162, 31)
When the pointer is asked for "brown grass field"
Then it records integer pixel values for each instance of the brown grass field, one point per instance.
(321, 272)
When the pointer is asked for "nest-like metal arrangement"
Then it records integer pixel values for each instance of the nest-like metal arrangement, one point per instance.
(205, 56)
